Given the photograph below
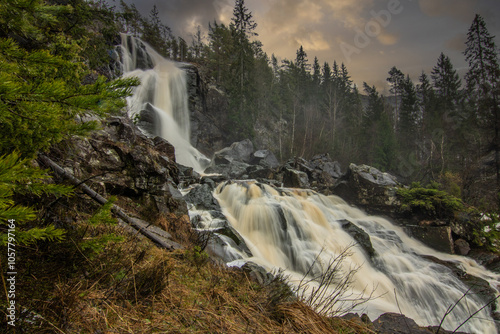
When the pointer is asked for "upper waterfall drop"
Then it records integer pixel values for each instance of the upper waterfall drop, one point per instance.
(162, 97)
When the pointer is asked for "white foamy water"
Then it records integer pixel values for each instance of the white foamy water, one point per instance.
(287, 229)
(163, 89)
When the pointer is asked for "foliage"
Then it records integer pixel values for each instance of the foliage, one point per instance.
(483, 88)
(487, 232)
(197, 257)
(46, 92)
(17, 178)
(429, 200)
(103, 215)
(41, 98)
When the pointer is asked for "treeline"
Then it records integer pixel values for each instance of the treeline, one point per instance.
(436, 129)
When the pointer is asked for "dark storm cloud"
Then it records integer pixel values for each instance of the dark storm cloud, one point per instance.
(411, 40)
(183, 16)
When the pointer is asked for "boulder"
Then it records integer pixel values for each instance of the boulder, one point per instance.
(436, 237)
(394, 323)
(293, 178)
(264, 158)
(202, 198)
(260, 173)
(369, 188)
(358, 234)
(257, 273)
(325, 164)
(462, 247)
(232, 170)
(239, 151)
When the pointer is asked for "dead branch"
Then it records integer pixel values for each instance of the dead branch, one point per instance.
(142, 227)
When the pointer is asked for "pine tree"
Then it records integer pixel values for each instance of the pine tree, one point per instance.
(43, 100)
(18, 178)
(446, 84)
(483, 86)
(242, 28)
(408, 117)
(396, 79)
(379, 142)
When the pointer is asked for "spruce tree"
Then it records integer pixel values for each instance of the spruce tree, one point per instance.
(396, 79)
(408, 117)
(243, 28)
(46, 92)
(483, 86)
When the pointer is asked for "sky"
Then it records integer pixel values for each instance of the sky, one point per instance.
(368, 36)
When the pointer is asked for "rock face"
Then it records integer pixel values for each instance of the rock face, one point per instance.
(120, 160)
(209, 108)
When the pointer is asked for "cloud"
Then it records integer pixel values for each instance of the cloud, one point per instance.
(457, 43)
(314, 42)
(459, 9)
(350, 12)
(386, 38)
(182, 16)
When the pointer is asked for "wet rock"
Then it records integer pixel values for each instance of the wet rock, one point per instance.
(264, 158)
(143, 61)
(202, 198)
(148, 120)
(233, 170)
(393, 323)
(436, 237)
(369, 188)
(239, 151)
(257, 273)
(358, 234)
(295, 179)
(490, 260)
(462, 247)
(478, 287)
(164, 148)
(258, 172)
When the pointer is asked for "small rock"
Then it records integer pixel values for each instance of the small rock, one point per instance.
(462, 247)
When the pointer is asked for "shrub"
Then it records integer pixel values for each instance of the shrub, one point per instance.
(429, 200)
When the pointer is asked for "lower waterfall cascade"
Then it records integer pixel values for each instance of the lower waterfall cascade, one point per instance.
(299, 231)
(294, 229)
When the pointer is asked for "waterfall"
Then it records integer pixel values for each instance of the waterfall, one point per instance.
(161, 98)
(300, 231)
(293, 229)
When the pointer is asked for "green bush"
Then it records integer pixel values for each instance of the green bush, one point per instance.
(429, 200)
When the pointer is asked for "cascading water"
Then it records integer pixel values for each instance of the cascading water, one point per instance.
(294, 229)
(163, 94)
(301, 231)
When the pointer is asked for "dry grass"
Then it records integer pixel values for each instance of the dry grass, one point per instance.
(130, 286)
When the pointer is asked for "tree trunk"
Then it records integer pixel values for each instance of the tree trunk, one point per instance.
(162, 242)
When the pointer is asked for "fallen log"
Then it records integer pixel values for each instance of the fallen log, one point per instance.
(137, 224)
